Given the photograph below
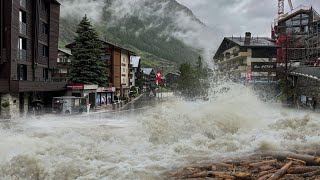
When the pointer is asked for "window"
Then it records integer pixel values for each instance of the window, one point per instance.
(106, 57)
(22, 16)
(45, 74)
(22, 49)
(22, 72)
(45, 51)
(44, 28)
(22, 43)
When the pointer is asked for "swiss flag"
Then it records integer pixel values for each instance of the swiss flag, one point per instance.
(159, 77)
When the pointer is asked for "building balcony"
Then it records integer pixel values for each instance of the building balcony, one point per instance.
(22, 28)
(23, 3)
(243, 68)
(240, 55)
(22, 55)
(67, 64)
(37, 86)
(4, 85)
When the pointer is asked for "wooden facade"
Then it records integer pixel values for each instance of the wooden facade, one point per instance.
(112, 55)
(29, 45)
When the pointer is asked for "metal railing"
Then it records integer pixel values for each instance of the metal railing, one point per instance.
(22, 55)
(22, 28)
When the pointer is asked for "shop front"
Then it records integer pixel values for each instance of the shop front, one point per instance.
(82, 90)
(105, 96)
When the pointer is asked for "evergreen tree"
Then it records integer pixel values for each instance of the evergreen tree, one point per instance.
(87, 67)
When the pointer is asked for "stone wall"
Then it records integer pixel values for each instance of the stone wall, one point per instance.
(10, 106)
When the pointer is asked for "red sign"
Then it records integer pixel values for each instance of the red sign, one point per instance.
(248, 76)
(159, 77)
(75, 86)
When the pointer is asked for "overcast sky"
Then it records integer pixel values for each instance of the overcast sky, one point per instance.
(235, 17)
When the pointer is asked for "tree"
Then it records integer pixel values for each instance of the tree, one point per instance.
(193, 81)
(87, 68)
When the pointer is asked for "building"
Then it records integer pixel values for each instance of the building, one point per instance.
(297, 33)
(149, 79)
(117, 60)
(28, 54)
(172, 79)
(306, 83)
(135, 62)
(63, 65)
(247, 58)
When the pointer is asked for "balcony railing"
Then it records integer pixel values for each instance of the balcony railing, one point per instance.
(22, 55)
(22, 28)
(23, 3)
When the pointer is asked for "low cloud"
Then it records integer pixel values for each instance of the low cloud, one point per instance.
(78, 8)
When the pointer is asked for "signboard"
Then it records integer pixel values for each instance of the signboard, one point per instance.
(263, 66)
(75, 86)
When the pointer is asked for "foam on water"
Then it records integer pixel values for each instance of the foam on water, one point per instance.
(145, 145)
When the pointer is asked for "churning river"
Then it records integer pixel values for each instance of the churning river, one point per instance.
(146, 143)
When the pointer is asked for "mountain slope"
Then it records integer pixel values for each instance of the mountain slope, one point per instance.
(150, 27)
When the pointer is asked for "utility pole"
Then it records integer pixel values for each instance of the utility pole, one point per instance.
(286, 68)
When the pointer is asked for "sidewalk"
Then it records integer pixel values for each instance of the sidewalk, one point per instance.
(110, 110)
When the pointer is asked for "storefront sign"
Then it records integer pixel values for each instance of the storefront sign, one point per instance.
(263, 66)
(75, 86)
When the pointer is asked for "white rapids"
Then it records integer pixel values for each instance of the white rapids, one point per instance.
(147, 144)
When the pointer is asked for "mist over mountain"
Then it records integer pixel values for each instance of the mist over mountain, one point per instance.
(161, 31)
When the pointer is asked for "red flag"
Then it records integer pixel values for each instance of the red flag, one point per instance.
(159, 77)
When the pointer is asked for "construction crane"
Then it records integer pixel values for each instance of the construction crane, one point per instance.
(281, 7)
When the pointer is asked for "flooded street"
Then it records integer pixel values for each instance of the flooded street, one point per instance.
(147, 142)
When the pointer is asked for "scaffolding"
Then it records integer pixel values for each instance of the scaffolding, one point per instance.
(298, 36)
(313, 43)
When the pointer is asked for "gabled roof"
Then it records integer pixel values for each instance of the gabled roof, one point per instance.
(66, 51)
(135, 61)
(255, 42)
(312, 72)
(147, 71)
(104, 42)
(55, 1)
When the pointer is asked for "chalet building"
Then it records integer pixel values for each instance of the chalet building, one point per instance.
(135, 72)
(28, 54)
(149, 78)
(247, 58)
(63, 65)
(172, 79)
(117, 60)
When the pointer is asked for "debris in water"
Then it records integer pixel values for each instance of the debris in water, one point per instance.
(266, 166)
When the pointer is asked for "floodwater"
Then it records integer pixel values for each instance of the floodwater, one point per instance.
(156, 138)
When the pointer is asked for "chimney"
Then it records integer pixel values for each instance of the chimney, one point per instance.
(247, 39)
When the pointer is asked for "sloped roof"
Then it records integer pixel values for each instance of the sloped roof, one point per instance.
(255, 41)
(229, 42)
(135, 61)
(312, 72)
(70, 46)
(147, 71)
(66, 51)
